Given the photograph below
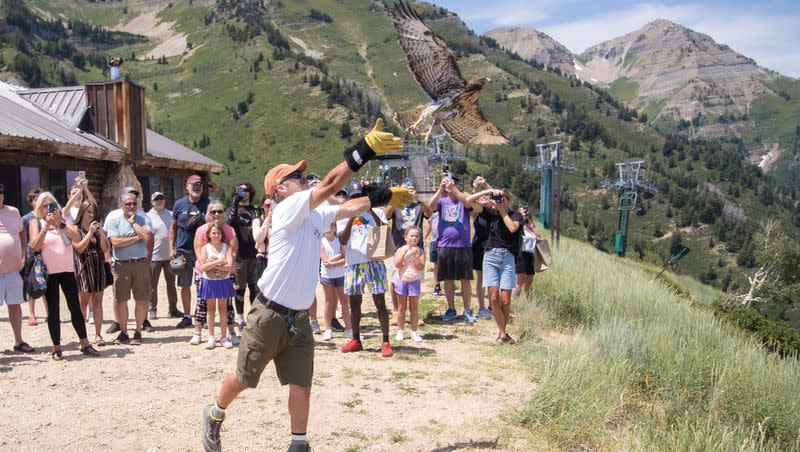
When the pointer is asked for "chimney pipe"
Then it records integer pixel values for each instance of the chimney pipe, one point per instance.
(114, 64)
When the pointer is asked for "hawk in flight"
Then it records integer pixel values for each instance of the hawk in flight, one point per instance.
(454, 102)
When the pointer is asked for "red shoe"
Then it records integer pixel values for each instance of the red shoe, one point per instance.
(386, 349)
(352, 346)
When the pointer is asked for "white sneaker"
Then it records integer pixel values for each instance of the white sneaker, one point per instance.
(211, 343)
(90, 320)
(328, 335)
(195, 340)
(416, 337)
(226, 343)
(315, 327)
(239, 319)
(234, 339)
(400, 335)
(348, 333)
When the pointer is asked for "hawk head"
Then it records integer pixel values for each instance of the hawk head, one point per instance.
(476, 83)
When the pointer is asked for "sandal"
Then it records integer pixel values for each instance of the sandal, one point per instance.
(89, 350)
(99, 341)
(56, 355)
(24, 348)
(32, 320)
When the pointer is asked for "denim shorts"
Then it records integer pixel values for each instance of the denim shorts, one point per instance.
(499, 269)
(434, 252)
(335, 282)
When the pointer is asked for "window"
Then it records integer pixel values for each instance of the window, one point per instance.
(169, 193)
(9, 177)
(57, 184)
(29, 178)
(144, 197)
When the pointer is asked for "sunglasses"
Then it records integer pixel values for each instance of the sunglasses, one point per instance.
(297, 175)
(129, 204)
(214, 212)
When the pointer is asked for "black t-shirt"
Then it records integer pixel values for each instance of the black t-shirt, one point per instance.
(499, 235)
(481, 228)
(241, 221)
(402, 219)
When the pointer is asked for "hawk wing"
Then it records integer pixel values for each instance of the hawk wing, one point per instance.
(429, 59)
(470, 126)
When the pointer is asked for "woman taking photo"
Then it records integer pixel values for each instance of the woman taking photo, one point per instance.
(524, 262)
(51, 237)
(92, 252)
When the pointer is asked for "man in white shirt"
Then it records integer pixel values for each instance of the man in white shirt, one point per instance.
(278, 328)
(161, 219)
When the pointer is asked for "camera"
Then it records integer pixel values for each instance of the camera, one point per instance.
(240, 191)
(52, 207)
(496, 198)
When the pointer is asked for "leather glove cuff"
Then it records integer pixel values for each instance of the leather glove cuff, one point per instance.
(358, 155)
(378, 196)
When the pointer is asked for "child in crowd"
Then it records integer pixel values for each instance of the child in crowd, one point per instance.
(216, 286)
(410, 262)
(331, 275)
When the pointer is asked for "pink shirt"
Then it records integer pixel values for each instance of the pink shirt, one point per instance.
(10, 245)
(230, 234)
(408, 269)
(57, 253)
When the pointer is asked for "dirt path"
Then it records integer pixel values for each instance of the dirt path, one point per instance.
(454, 391)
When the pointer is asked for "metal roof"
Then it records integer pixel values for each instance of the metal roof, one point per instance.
(53, 114)
(67, 103)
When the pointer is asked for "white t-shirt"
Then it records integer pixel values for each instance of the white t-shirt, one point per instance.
(161, 223)
(331, 249)
(357, 245)
(291, 275)
(528, 241)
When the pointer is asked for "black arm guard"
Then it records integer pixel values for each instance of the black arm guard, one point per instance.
(378, 196)
(358, 155)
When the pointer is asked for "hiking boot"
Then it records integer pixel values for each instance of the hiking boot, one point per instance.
(152, 314)
(147, 326)
(211, 427)
(185, 322)
(386, 349)
(113, 328)
(123, 338)
(352, 346)
(137, 338)
(299, 447)
(174, 313)
(336, 327)
(469, 317)
(449, 315)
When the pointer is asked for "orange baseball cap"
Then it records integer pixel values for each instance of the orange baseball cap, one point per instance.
(274, 176)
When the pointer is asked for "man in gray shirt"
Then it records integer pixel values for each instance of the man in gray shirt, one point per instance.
(161, 219)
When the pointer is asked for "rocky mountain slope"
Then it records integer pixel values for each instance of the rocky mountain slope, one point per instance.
(532, 44)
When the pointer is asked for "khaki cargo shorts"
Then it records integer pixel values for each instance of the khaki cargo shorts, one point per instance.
(266, 338)
(131, 277)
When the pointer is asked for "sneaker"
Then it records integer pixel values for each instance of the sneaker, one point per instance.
(211, 426)
(152, 314)
(336, 326)
(416, 337)
(147, 326)
(113, 328)
(211, 343)
(327, 335)
(469, 317)
(234, 339)
(123, 338)
(175, 314)
(195, 340)
(90, 320)
(315, 327)
(299, 447)
(449, 315)
(348, 333)
(400, 335)
(484, 314)
(386, 349)
(352, 346)
(184, 323)
(227, 344)
(137, 338)
(437, 290)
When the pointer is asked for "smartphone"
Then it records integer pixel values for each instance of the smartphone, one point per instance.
(82, 174)
(52, 207)
(240, 191)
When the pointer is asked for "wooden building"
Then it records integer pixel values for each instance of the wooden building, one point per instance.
(48, 135)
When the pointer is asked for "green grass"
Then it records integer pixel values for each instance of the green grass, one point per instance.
(624, 89)
(643, 369)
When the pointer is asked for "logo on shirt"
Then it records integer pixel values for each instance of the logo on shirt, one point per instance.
(451, 216)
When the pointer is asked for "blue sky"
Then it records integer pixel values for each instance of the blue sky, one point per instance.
(767, 31)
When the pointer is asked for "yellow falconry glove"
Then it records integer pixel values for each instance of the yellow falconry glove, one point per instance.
(382, 142)
(401, 197)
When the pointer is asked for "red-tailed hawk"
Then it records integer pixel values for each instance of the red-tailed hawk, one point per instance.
(454, 102)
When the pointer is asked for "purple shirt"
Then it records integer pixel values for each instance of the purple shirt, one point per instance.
(453, 225)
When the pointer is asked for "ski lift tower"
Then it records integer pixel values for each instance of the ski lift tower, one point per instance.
(551, 163)
(630, 182)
